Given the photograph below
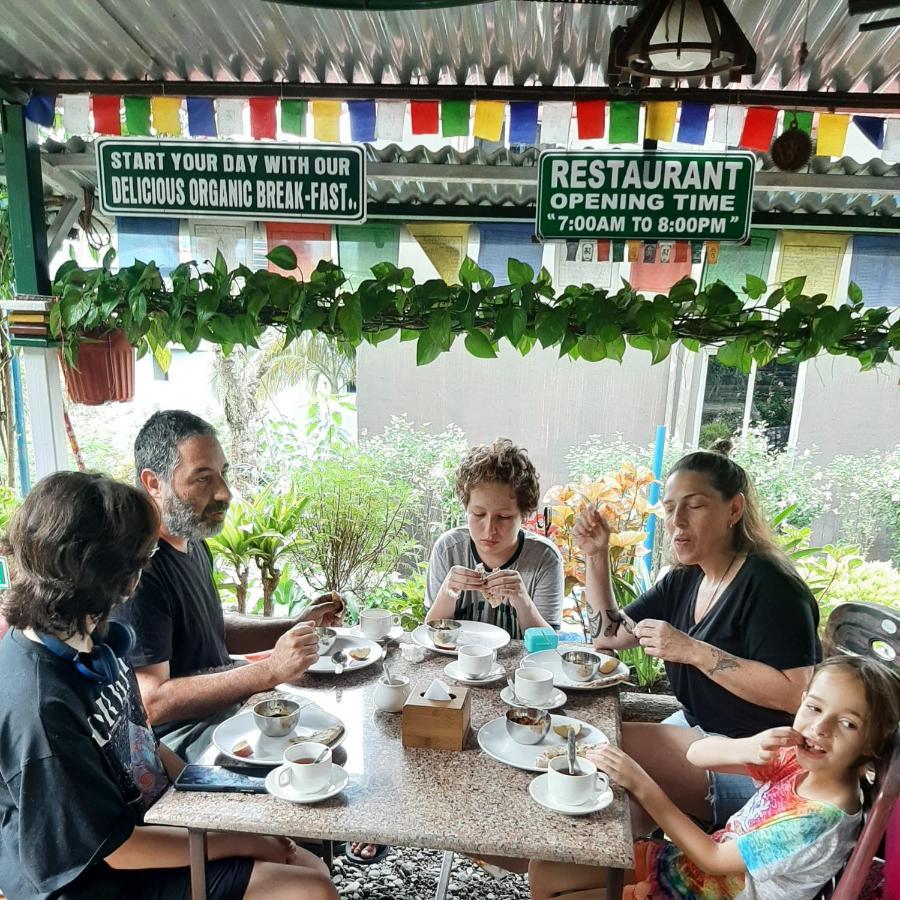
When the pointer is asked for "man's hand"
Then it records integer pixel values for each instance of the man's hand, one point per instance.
(295, 651)
(326, 611)
(773, 741)
(591, 532)
(621, 769)
(661, 640)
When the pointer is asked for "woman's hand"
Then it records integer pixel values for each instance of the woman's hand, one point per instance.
(508, 584)
(621, 769)
(661, 640)
(591, 532)
(460, 579)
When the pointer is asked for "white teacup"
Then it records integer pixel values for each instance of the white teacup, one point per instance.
(575, 790)
(475, 661)
(376, 624)
(391, 695)
(304, 775)
(534, 686)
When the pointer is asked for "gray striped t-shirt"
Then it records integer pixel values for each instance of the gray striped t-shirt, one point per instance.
(537, 560)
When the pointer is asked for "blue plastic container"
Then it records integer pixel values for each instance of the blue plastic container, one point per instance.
(537, 639)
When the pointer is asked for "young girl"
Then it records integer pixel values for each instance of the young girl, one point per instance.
(794, 833)
(79, 765)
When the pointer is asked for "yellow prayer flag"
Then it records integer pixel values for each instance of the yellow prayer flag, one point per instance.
(489, 119)
(817, 256)
(326, 120)
(165, 113)
(832, 134)
(445, 245)
(712, 252)
(634, 251)
(660, 124)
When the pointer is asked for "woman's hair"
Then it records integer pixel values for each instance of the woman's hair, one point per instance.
(751, 533)
(77, 545)
(882, 690)
(504, 463)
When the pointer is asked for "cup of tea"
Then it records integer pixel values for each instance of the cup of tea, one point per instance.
(475, 661)
(376, 624)
(302, 772)
(390, 695)
(534, 686)
(575, 790)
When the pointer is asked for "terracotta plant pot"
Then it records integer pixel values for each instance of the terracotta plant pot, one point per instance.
(105, 370)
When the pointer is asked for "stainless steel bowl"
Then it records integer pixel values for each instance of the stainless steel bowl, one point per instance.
(326, 638)
(277, 717)
(580, 665)
(527, 725)
(444, 633)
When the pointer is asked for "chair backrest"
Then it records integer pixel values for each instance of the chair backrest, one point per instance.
(864, 629)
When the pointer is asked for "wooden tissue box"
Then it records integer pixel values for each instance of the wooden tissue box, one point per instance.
(436, 724)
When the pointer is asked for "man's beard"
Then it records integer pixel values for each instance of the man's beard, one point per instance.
(182, 521)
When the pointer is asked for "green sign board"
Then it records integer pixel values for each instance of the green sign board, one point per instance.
(221, 179)
(4, 574)
(644, 195)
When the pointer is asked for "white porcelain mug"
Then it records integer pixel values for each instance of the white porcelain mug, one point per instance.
(304, 775)
(534, 685)
(391, 695)
(475, 661)
(574, 790)
(376, 624)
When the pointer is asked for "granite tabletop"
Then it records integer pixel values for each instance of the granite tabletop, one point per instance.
(464, 801)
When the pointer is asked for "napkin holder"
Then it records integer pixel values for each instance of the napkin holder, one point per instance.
(436, 724)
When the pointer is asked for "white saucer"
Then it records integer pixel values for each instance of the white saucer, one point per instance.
(540, 794)
(394, 634)
(481, 634)
(339, 780)
(557, 699)
(452, 671)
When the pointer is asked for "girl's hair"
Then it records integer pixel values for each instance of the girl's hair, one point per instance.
(77, 543)
(751, 533)
(504, 463)
(882, 690)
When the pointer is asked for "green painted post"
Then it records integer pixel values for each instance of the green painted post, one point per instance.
(28, 231)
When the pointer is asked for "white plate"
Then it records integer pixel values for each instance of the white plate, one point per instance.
(550, 659)
(494, 740)
(394, 634)
(269, 751)
(557, 699)
(339, 780)
(540, 793)
(452, 671)
(480, 633)
(324, 666)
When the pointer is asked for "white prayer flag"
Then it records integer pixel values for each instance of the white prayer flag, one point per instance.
(230, 116)
(76, 113)
(389, 118)
(556, 119)
(728, 124)
(891, 152)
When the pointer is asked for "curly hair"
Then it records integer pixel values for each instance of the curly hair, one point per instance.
(502, 463)
(77, 544)
(156, 444)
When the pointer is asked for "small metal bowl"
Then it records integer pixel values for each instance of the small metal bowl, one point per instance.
(277, 717)
(326, 638)
(444, 633)
(527, 725)
(580, 665)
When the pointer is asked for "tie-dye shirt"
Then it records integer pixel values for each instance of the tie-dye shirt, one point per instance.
(790, 845)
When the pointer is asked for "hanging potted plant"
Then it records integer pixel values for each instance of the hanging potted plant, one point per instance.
(104, 371)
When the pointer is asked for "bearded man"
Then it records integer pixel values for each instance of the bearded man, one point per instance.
(188, 681)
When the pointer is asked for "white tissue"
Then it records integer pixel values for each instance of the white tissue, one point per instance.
(437, 690)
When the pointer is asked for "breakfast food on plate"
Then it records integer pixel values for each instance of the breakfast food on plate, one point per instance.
(563, 730)
(360, 653)
(327, 736)
(494, 599)
(242, 749)
(580, 750)
(608, 666)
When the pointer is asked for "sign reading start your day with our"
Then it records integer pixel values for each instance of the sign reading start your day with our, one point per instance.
(646, 196)
(318, 183)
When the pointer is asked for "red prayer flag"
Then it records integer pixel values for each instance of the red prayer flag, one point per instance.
(603, 248)
(310, 243)
(759, 126)
(591, 116)
(107, 119)
(425, 116)
(262, 117)
(682, 251)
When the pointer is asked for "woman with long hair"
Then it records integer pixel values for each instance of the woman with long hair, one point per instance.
(732, 620)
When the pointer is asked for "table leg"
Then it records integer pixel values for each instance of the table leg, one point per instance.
(197, 848)
(444, 877)
(615, 879)
(328, 854)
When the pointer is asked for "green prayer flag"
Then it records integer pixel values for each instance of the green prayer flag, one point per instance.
(454, 118)
(137, 115)
(804, 120)
(623, 122)
(293, 117)
(362, 246)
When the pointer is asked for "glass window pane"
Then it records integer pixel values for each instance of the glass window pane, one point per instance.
(723, 402)
(773, 401)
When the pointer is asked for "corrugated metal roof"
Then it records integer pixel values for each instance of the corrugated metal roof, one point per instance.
(505, 42)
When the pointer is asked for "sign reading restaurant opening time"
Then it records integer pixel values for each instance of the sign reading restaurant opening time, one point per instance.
(282, 182)
(646, 196)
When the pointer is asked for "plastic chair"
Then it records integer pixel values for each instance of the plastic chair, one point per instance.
(864, 629)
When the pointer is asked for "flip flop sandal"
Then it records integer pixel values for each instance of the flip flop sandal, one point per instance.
(380, 853)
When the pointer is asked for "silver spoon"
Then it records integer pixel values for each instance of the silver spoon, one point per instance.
(339, 659)
(387, 673)
(322, 755)
(574, 768)
(512, 690)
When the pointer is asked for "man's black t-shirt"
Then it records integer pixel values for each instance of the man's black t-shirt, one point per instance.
(78, 769)
(766, 614)
(177, 615)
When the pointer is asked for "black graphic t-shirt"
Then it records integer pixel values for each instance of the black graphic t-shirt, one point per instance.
(78, 769)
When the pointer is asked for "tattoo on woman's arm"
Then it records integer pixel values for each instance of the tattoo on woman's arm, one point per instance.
(615, 620)
(723, 662)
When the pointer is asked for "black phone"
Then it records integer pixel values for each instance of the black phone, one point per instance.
(229, 780)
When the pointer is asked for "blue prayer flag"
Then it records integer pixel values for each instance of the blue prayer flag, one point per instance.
(875, 268)
(201, 117)
(147, 239)
(502, 241)
(523, 122)
(872, 127)
(693, 123)
(41, 109)
(362, 120)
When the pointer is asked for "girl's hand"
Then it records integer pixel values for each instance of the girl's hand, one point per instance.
(661, 640)
(591, 532)
(773, 741)
(460, 579)
(508, 584)
(620, 768)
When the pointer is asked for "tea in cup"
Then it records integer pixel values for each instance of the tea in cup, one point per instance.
(390, 695)
(302, 772)
(475, 661)
(376, 624)
(534, 686)
(575, 790)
